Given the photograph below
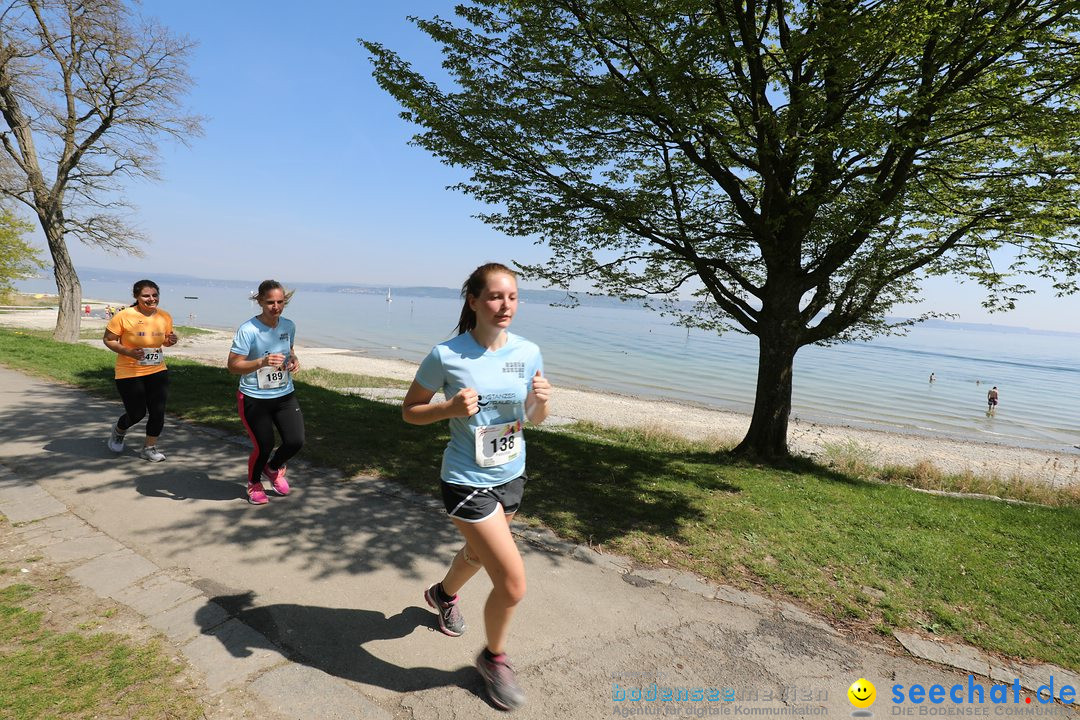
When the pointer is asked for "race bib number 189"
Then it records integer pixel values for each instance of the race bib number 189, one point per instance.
(270, 378)
(499, 444)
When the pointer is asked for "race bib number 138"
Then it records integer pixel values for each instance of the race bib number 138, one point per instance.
(499, 444)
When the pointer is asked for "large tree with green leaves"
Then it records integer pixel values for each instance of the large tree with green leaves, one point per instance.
(799, 167)
(87, 87)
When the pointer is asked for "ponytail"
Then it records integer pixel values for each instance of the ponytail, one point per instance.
(474, 287)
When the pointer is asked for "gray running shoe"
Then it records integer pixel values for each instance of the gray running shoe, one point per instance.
(116, 441)
(151, 453)
(501, 682)
(451, 621)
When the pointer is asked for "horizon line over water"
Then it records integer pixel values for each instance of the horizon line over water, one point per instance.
(882, 384)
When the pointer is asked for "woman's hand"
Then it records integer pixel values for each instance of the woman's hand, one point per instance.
(541, 389)
(276, 360)
(465, 403)
(293, 364)
(536, 402)
(170, 339)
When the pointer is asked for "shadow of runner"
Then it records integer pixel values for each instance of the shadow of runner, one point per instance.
(92, 448)
(184, 485)
(333, 640)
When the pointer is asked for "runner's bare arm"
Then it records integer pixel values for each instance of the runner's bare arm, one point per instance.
(417, 408)
(112, 341)
(240, 365)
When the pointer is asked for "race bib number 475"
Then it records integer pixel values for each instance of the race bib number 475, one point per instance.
(499, 444)
(152, 356)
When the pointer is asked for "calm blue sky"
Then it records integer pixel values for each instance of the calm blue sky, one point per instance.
(304, 172)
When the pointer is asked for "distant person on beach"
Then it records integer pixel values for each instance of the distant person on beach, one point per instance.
(991, 400)
(492, 381)
(86, 310)
(262, 354)
(137, 335)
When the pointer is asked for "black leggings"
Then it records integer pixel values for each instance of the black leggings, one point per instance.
(142, 395)
(260, 416)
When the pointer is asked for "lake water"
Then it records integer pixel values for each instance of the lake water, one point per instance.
(881, 384)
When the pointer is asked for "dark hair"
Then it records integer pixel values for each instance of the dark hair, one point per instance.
(266, 286)
(474, 286)
(137, 288)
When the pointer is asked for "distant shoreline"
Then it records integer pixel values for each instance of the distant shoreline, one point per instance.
(814, 440)
(530, 294)
(878, 385)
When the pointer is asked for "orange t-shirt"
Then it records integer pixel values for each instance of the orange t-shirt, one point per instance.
(138, 330)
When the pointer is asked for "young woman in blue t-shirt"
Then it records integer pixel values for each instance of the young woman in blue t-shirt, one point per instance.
(492, 380)
(262, 354)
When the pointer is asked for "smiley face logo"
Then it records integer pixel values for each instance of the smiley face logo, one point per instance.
(862, 693)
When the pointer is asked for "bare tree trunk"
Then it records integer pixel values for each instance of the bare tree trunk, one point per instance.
(67, 285)
(767, 436)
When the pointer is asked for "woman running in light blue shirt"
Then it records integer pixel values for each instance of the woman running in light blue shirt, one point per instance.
(262, 354)
(492, 381)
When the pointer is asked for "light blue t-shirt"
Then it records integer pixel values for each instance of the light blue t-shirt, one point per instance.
(502, 379)
(254, 340)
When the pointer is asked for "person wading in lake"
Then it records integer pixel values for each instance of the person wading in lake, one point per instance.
(991, 400)
(492, 380)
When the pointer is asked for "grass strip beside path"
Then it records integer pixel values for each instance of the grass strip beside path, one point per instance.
(83, 673)
(184, 331)
(868, 555)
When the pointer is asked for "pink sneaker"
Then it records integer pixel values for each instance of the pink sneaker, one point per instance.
(256, 494)
(277, 479)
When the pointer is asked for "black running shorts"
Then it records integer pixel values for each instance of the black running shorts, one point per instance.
(476, 504)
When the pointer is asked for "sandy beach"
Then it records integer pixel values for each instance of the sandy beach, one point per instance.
(807, 439)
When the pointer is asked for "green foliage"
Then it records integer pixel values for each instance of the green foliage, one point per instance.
(798, 168)
(811, 159)
(18, 259)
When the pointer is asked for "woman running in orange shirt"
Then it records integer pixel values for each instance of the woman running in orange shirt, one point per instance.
(137, 335)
